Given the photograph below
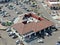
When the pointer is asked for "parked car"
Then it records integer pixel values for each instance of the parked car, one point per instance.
(17, 12)
(11, 7)
(33, 5)
(10, 33)
(58, 43)
(28, 10)
(19, 3)
(17, 42)
(6, 5)
(0, 11)
(8, 30)
(46, 34)
(24, 8)
(40, 41)
(14, 36)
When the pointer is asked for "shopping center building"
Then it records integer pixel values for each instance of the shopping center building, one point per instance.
(30, 26)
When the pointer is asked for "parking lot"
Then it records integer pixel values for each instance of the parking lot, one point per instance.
(12, 13)
(6, 40)
(51, 40)
(14, 10)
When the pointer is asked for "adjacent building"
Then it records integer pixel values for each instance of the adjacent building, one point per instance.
(53, 4)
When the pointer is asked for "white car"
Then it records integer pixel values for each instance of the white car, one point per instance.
(40, 41)
(17, 42)
(46, 34)
(17, 12)
(8, 30)
(10, 33)
(58, 43)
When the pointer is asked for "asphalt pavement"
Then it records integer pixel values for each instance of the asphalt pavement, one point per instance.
(51, 40)
(6, 40)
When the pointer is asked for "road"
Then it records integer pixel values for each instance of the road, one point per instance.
(45, 12)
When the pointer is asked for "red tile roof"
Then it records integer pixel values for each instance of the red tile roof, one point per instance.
(24, 28)
(33, 26)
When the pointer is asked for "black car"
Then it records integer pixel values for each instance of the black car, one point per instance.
(58, 43)
(14, 36)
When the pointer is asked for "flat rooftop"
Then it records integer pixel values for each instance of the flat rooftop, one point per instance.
(54, 2)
